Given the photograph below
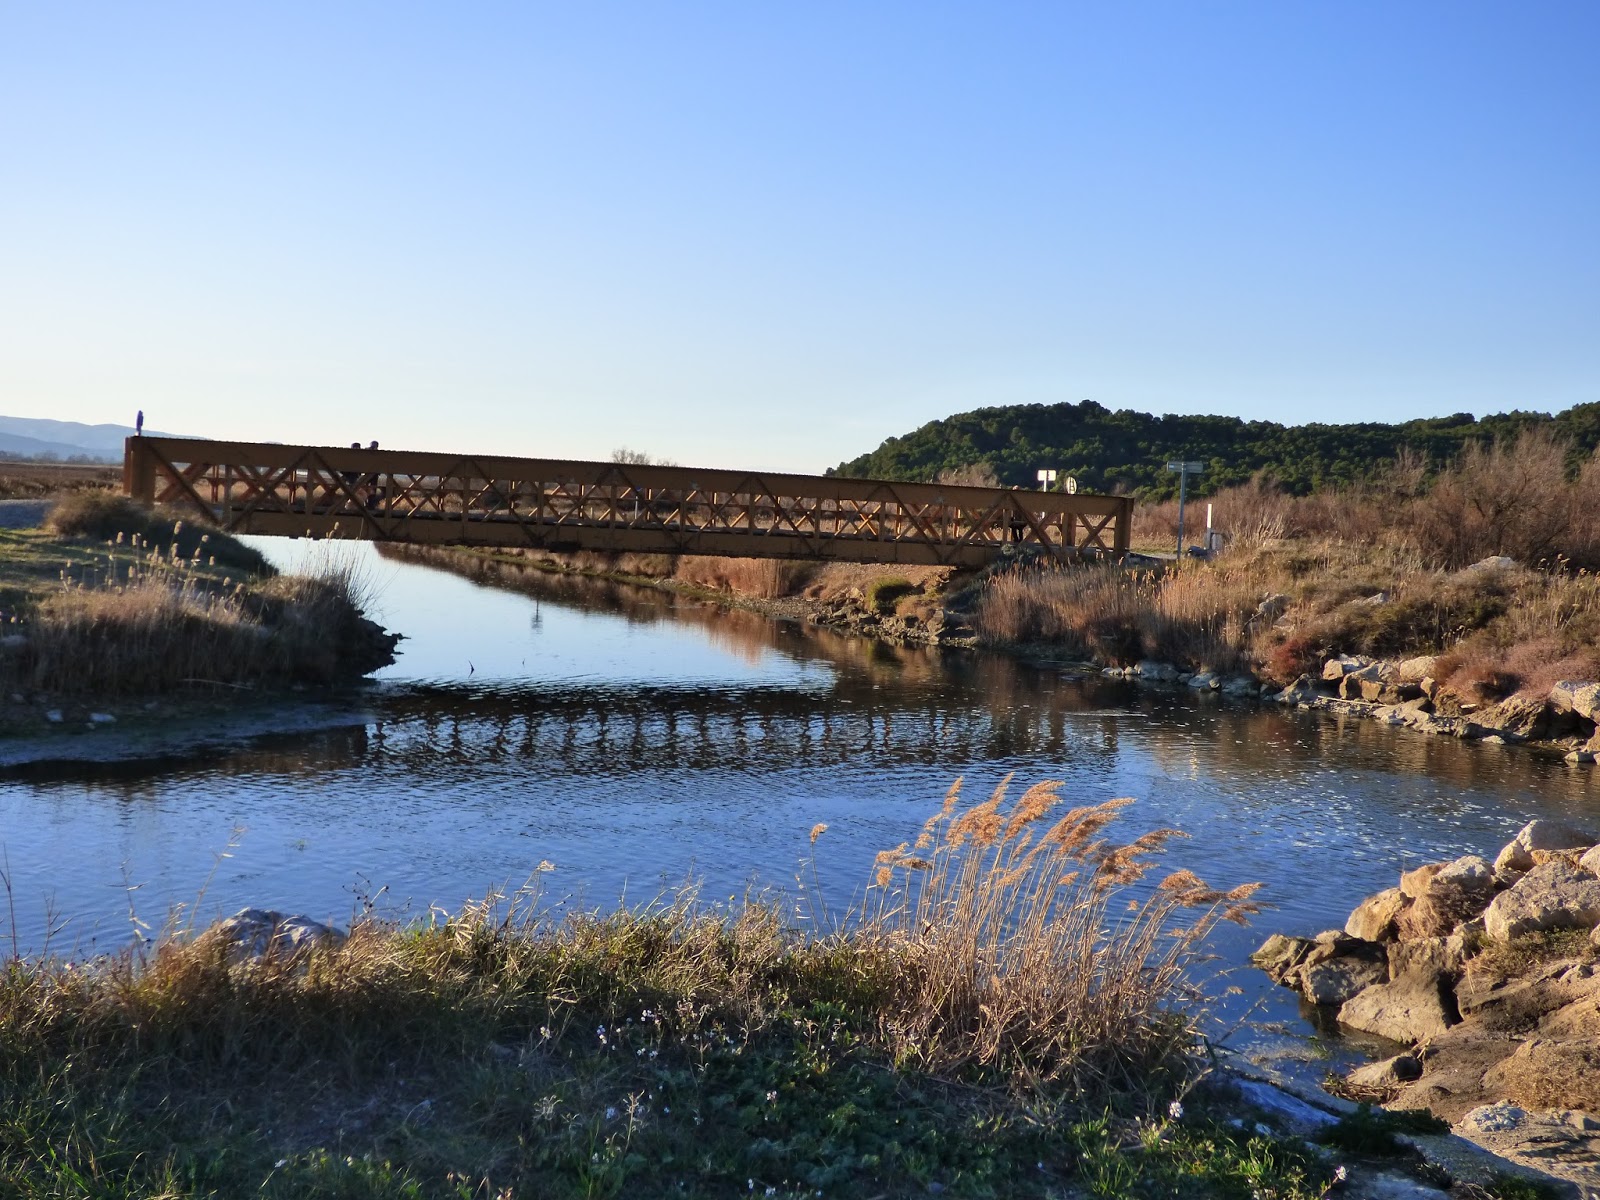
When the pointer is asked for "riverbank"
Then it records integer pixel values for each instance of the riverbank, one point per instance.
(1485, 977)
(983, 1028)
(111, 612)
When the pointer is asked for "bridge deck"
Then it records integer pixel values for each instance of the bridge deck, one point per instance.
(561, 505)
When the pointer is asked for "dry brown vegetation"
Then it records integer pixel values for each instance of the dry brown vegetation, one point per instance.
(123, 600)
(1524, 499)
(1387, 570)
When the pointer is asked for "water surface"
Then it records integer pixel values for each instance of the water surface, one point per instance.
(632, 740)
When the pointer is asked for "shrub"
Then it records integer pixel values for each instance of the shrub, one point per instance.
(883, 594)
(107, 516)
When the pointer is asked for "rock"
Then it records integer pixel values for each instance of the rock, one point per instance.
(13, 643)
(1575, 696)
(1495, 562)
(1414, 883)
(1553, 895)
(102, 719)
(1557, 1143)
(1240, 685)
(1415, 670)
(1407, 1009)
(1425, 954)
(1388, 1072)
(1550, 1074)
(1280, 956)
(1520, 716)
(1302, 691)
(1344, 664)
(1340, 979)
(1204, 681)
(1578, 1019)
(1453, 1065)
(1158, 672)
(1589, 860)
(1580, 756)
(1290, 1112)
(1350, 684)
(256, 934)
(1540, 835)
(1444, 895)
(1374, 918)
(1496, 1004)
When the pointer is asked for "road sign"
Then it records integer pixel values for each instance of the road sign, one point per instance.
(1188, 468)
(1046, 478)
(1072, 485)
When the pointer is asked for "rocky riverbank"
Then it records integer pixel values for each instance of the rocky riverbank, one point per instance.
(1485, 979)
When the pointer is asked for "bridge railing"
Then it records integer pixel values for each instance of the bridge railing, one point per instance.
(558, 504)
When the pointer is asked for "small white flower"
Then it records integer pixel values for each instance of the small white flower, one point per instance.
(611, 1114)
(772, 1097)
(1341, 1173)
(284, 1162)
(1175, 1110)
(665, 1110)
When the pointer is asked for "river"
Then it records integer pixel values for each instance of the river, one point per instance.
(630, 740)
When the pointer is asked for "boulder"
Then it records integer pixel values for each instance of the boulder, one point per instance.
(1517, 854)
(1344, 664)
(1204, 681)
(1388, 1072)
(1281, 956)
(1550, 1074)
(255, 935)
(1414, 883)
(1160, 672)
(1415, 670)
(1558, 1145)
(1352, 682)
(1496, 1004)
(1374, 918)
(1408, 1009)
(1339, 979)
(1240, 685)
(1302, 691)
(1520, 717)
(1576, 696)
(1589, 860)
(1270, 609)
(1495, 562)
(1426, 954)
(1444, 895)
(1553, 895)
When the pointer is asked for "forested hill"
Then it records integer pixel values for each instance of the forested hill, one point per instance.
(1128, 451)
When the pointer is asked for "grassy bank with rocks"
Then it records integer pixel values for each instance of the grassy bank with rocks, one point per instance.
(112, 603)
(1009, 1013)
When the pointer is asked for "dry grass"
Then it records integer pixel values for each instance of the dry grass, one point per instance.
(1014, 952)
(110, 516)
(1523, 498)
(1108, 614)
(141, 619)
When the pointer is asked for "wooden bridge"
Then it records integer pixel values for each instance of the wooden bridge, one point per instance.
(561, 505)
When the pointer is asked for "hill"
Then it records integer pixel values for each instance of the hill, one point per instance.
(34, 437)
(1127, 451)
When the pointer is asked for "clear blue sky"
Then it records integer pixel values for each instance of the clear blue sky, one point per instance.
(772, 235)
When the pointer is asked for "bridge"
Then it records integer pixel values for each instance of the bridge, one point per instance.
(562, 505)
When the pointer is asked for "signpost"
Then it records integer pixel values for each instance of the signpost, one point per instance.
(1046, 478)
(1184, 470)
(1072, 485)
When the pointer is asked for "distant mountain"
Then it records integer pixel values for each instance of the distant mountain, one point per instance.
(1128, 451)
(34, 437)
